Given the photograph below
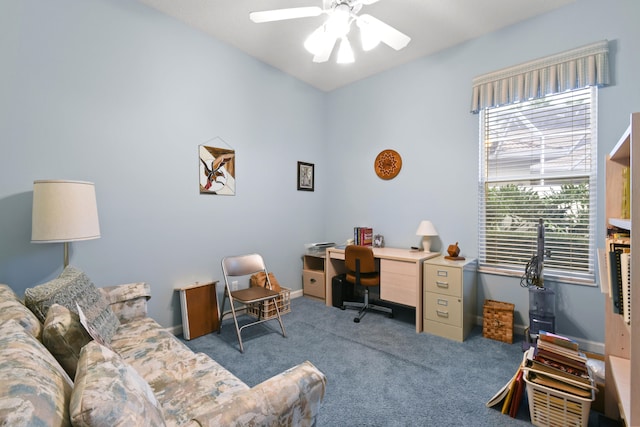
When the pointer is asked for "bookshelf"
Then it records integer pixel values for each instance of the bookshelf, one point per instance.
(622, 341)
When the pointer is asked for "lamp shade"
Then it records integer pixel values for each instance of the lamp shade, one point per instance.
(64, 211)
(426, 229)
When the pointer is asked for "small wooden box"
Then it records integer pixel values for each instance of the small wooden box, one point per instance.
(497, 322)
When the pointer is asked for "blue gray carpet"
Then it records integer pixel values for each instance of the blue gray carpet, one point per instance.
(379, 372)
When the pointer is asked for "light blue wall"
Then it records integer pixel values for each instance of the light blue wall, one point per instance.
(113, 92)
(421, 110)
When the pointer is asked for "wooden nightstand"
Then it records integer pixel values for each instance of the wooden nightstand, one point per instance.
(449, 297)
(199, 304)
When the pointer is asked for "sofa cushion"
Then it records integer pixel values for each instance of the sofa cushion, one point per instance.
(109, 392)
(71, 287)
(34, 389)
(64, 337)
(12, 308)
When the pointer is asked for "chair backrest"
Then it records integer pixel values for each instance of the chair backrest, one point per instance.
(364, 254)
(242, 265)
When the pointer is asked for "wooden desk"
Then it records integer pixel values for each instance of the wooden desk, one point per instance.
(400, 276)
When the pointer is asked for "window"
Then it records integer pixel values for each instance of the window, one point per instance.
(538, 160)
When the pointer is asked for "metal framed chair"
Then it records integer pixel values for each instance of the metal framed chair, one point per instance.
(245, 296)
(361, 271)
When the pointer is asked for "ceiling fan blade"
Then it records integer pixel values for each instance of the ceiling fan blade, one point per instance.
(324, 52)
(283, 14)
(385, 32)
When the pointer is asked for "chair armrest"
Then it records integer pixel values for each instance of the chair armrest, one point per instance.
(290, 398)
(128, 301)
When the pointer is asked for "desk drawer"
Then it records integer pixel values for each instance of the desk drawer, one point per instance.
(443, 308)
(313, 283)
(443, 279)
(398, 282)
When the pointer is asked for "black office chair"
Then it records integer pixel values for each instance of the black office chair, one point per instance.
(361, 271)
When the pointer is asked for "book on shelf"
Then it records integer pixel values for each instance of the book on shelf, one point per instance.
(625, 285)
(615, 279)
(603, 271)
(616, 282)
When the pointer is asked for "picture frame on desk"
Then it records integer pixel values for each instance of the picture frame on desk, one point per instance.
(306, 176)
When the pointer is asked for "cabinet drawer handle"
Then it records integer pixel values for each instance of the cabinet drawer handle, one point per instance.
(442, 284)
(442, 313)
(443, 302)
(443, 273)
(312, 280)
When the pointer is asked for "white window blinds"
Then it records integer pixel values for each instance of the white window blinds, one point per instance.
(538, 160)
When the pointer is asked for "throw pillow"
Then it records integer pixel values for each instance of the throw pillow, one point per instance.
(12, 308)
(34, 389)
(109, 392)
(71, 287)
(64, 337)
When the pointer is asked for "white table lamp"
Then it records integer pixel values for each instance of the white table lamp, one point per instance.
(426, 230)
(63, 212)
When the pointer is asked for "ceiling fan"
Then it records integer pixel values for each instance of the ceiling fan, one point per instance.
(341, 14)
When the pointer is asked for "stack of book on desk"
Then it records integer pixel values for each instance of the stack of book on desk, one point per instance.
(557, 363)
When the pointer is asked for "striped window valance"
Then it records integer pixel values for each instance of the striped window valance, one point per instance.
(573, 69)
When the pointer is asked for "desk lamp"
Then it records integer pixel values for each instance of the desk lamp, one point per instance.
(64, 211)
(426, 230)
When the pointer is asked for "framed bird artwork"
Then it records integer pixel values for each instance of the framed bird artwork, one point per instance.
(217, 170)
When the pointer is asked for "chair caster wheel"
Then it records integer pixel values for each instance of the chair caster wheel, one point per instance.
(356, 320)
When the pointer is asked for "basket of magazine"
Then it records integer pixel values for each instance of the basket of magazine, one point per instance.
(557, 399)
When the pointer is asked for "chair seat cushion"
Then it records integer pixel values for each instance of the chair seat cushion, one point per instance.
(366, 279)
(254, 294)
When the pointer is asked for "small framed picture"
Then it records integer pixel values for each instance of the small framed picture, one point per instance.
(378, 241)
(305, 176)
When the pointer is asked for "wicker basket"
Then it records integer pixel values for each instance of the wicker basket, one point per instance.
(550, 407)
(268, 309)
(497, 322)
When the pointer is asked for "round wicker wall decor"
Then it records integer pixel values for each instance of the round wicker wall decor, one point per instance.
(388, 164)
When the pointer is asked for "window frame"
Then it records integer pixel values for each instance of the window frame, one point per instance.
(556, 274)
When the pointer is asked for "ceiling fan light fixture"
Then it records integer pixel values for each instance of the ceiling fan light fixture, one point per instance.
(339, 22)
(368, 35)
(345, 53)
(314, 42)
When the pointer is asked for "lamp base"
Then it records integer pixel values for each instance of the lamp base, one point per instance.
(426, 244)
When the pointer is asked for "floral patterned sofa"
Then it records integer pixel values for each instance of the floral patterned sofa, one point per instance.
(133, 372)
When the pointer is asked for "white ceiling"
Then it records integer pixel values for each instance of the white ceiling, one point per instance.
(433, 25)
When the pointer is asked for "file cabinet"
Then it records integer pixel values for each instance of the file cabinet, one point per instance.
(449, 298)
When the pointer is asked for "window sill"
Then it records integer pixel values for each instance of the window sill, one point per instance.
(548, 277)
